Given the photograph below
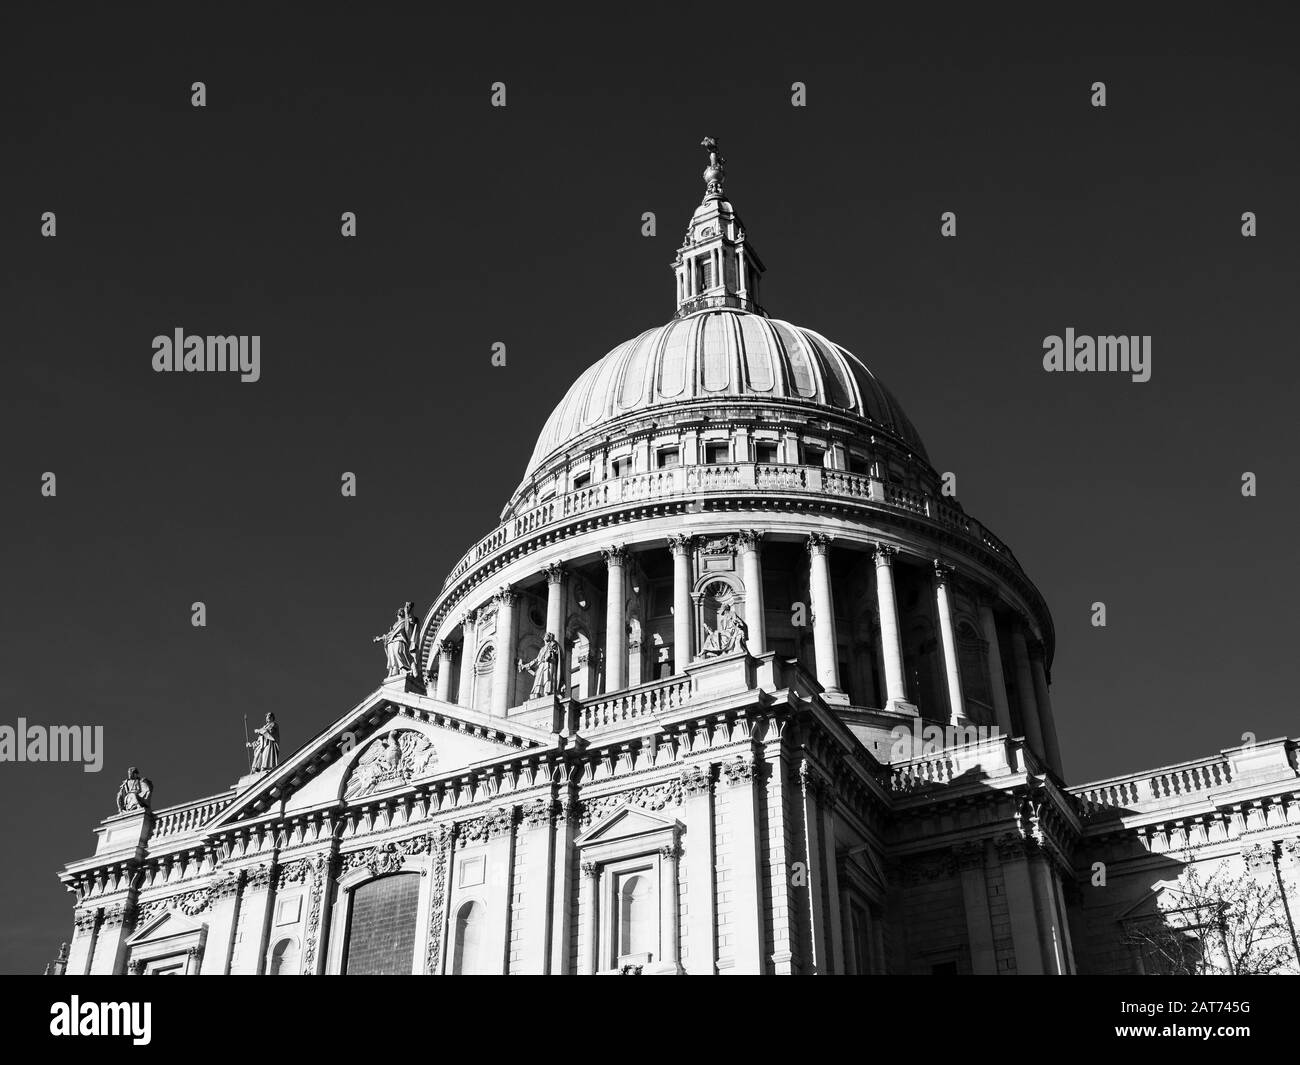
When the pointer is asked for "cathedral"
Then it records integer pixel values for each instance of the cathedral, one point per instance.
(736, 686)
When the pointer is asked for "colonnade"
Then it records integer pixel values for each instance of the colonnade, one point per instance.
(1027, 653)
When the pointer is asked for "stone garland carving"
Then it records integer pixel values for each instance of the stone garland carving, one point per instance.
(491, 825)
(150, 910)
(813, 783)
(294, 873)
(194, 902)
(651, 797)
(969, 855)
(441, 841)
(320, 873)
(386, 857)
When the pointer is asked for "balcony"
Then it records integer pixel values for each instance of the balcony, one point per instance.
(729, 479)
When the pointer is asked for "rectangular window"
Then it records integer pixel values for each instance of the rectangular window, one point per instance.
(669, 457)
(813, 455)
(704, 266)
(582, 480)
(766, 451)
(858, 464)
(717, 452)
(620, 467)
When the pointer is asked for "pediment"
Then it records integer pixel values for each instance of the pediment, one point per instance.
(352, 760)
(627, 822)
(1164, 899)
(167, 925)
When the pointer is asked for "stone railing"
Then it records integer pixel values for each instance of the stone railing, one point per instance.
(645, 700)
(1147, 791)
(177, 820)
(728, 478)
(957, 763)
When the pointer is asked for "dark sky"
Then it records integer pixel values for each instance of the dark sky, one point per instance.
(522, 225)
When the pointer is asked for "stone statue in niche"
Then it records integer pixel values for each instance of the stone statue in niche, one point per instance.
(545, 669)
(395, 758)
(731, 634)
(399, 640)
(133, 794)
(266, 748)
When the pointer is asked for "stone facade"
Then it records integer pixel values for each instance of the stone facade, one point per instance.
(789, 713)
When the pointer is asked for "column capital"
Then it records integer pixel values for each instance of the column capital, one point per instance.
(819, 543)
(614, 555)
(554, 573)
(885, 554)
(748, 539)
(969, 855)
(468, 618)
(681, 543)
(943, 572)
(505, 596)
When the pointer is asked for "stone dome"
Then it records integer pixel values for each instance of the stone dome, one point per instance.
(722, 354)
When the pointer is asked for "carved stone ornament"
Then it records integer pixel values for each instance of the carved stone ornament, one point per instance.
(387, 857)
(390, 760)
(738, 772)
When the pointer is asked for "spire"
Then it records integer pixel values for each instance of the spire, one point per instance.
(715, 266)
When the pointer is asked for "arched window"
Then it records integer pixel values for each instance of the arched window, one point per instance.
(638, 918)
(467, 957)
(484, 669)
(284, 958)
(972, 657)
(381, 926)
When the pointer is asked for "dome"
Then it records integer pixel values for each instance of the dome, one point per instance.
(722, 354)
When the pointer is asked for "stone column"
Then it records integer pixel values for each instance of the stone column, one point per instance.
(699, 864)
(616, 618)
(942, 590)
(751, 562)
(588, 957)
(683, 611)
(746, 884)
(82, 951)
(468, 651)
(1046, 723)
(1013, 856)
(555, 604)
(1025, 686)
(1001, 708)
(670, 941)
(565, 826)
(891, 644)
(975, 899)
(116, 926)
(443, 690)
(503, 668)
(823, 611)
(819, 954)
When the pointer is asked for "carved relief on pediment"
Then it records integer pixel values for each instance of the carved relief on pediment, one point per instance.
(390, 760)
